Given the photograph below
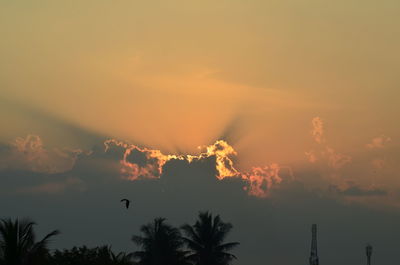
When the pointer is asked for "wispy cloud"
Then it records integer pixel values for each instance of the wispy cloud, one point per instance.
(29, 153)
(324, 151)
(379, 142)
(318, 130)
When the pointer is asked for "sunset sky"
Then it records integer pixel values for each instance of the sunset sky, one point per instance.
(275, 114)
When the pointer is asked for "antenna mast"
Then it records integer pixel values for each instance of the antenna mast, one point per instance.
(314, 253)
(369, 253)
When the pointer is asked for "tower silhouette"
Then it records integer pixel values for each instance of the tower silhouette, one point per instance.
(369, 253)
(314, 253)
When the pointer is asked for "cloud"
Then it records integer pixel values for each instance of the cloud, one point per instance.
(323, 151)
(379, 142)
(318, 130)
(311, 156)
(336, 160)
(91, 190)
(143, 163)
(377, 147)
(27, 166)
(121, 161)
(262, 179)
(30, 154)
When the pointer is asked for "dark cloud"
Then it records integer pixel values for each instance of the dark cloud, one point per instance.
(14, 182)
(273, 230)
(29, 153)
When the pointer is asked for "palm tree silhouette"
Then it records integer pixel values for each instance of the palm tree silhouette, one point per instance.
(205, 239)
(121, 258)
(161, 244)
(105, 256)
(18, 244)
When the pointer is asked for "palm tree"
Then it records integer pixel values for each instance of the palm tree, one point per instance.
(161, 244)
(18, 244)
(121, 258)
(107, 256)
(205, 240)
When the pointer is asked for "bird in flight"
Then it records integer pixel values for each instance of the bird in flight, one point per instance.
(127, 202)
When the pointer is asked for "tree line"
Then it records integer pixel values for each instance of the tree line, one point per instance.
(159, 243)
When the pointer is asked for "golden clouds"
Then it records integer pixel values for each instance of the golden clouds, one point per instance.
(258, 181)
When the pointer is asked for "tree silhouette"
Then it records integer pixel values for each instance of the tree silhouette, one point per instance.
(75, 256)
(121, 258)
(205, 240)
(18, 244)
(94, 256)
(107, 256)
(161, 244)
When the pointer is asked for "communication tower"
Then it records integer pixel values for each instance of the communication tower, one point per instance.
(369, 253)
(314, 253)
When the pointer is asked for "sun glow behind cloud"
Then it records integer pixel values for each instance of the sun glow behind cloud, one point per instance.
(258, 181)
(345, 175)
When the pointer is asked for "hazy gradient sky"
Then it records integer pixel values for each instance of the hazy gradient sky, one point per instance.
(311, 87)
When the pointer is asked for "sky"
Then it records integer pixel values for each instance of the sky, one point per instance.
(274, 114)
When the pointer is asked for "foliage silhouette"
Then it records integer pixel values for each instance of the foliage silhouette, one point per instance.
(93, 256)
(18, 244)
(121, 258)
(205, 240)
(161, 245)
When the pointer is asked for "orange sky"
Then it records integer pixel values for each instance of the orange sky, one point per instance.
(174, 75)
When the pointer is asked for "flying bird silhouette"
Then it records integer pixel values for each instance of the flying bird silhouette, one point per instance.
(127, 202)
